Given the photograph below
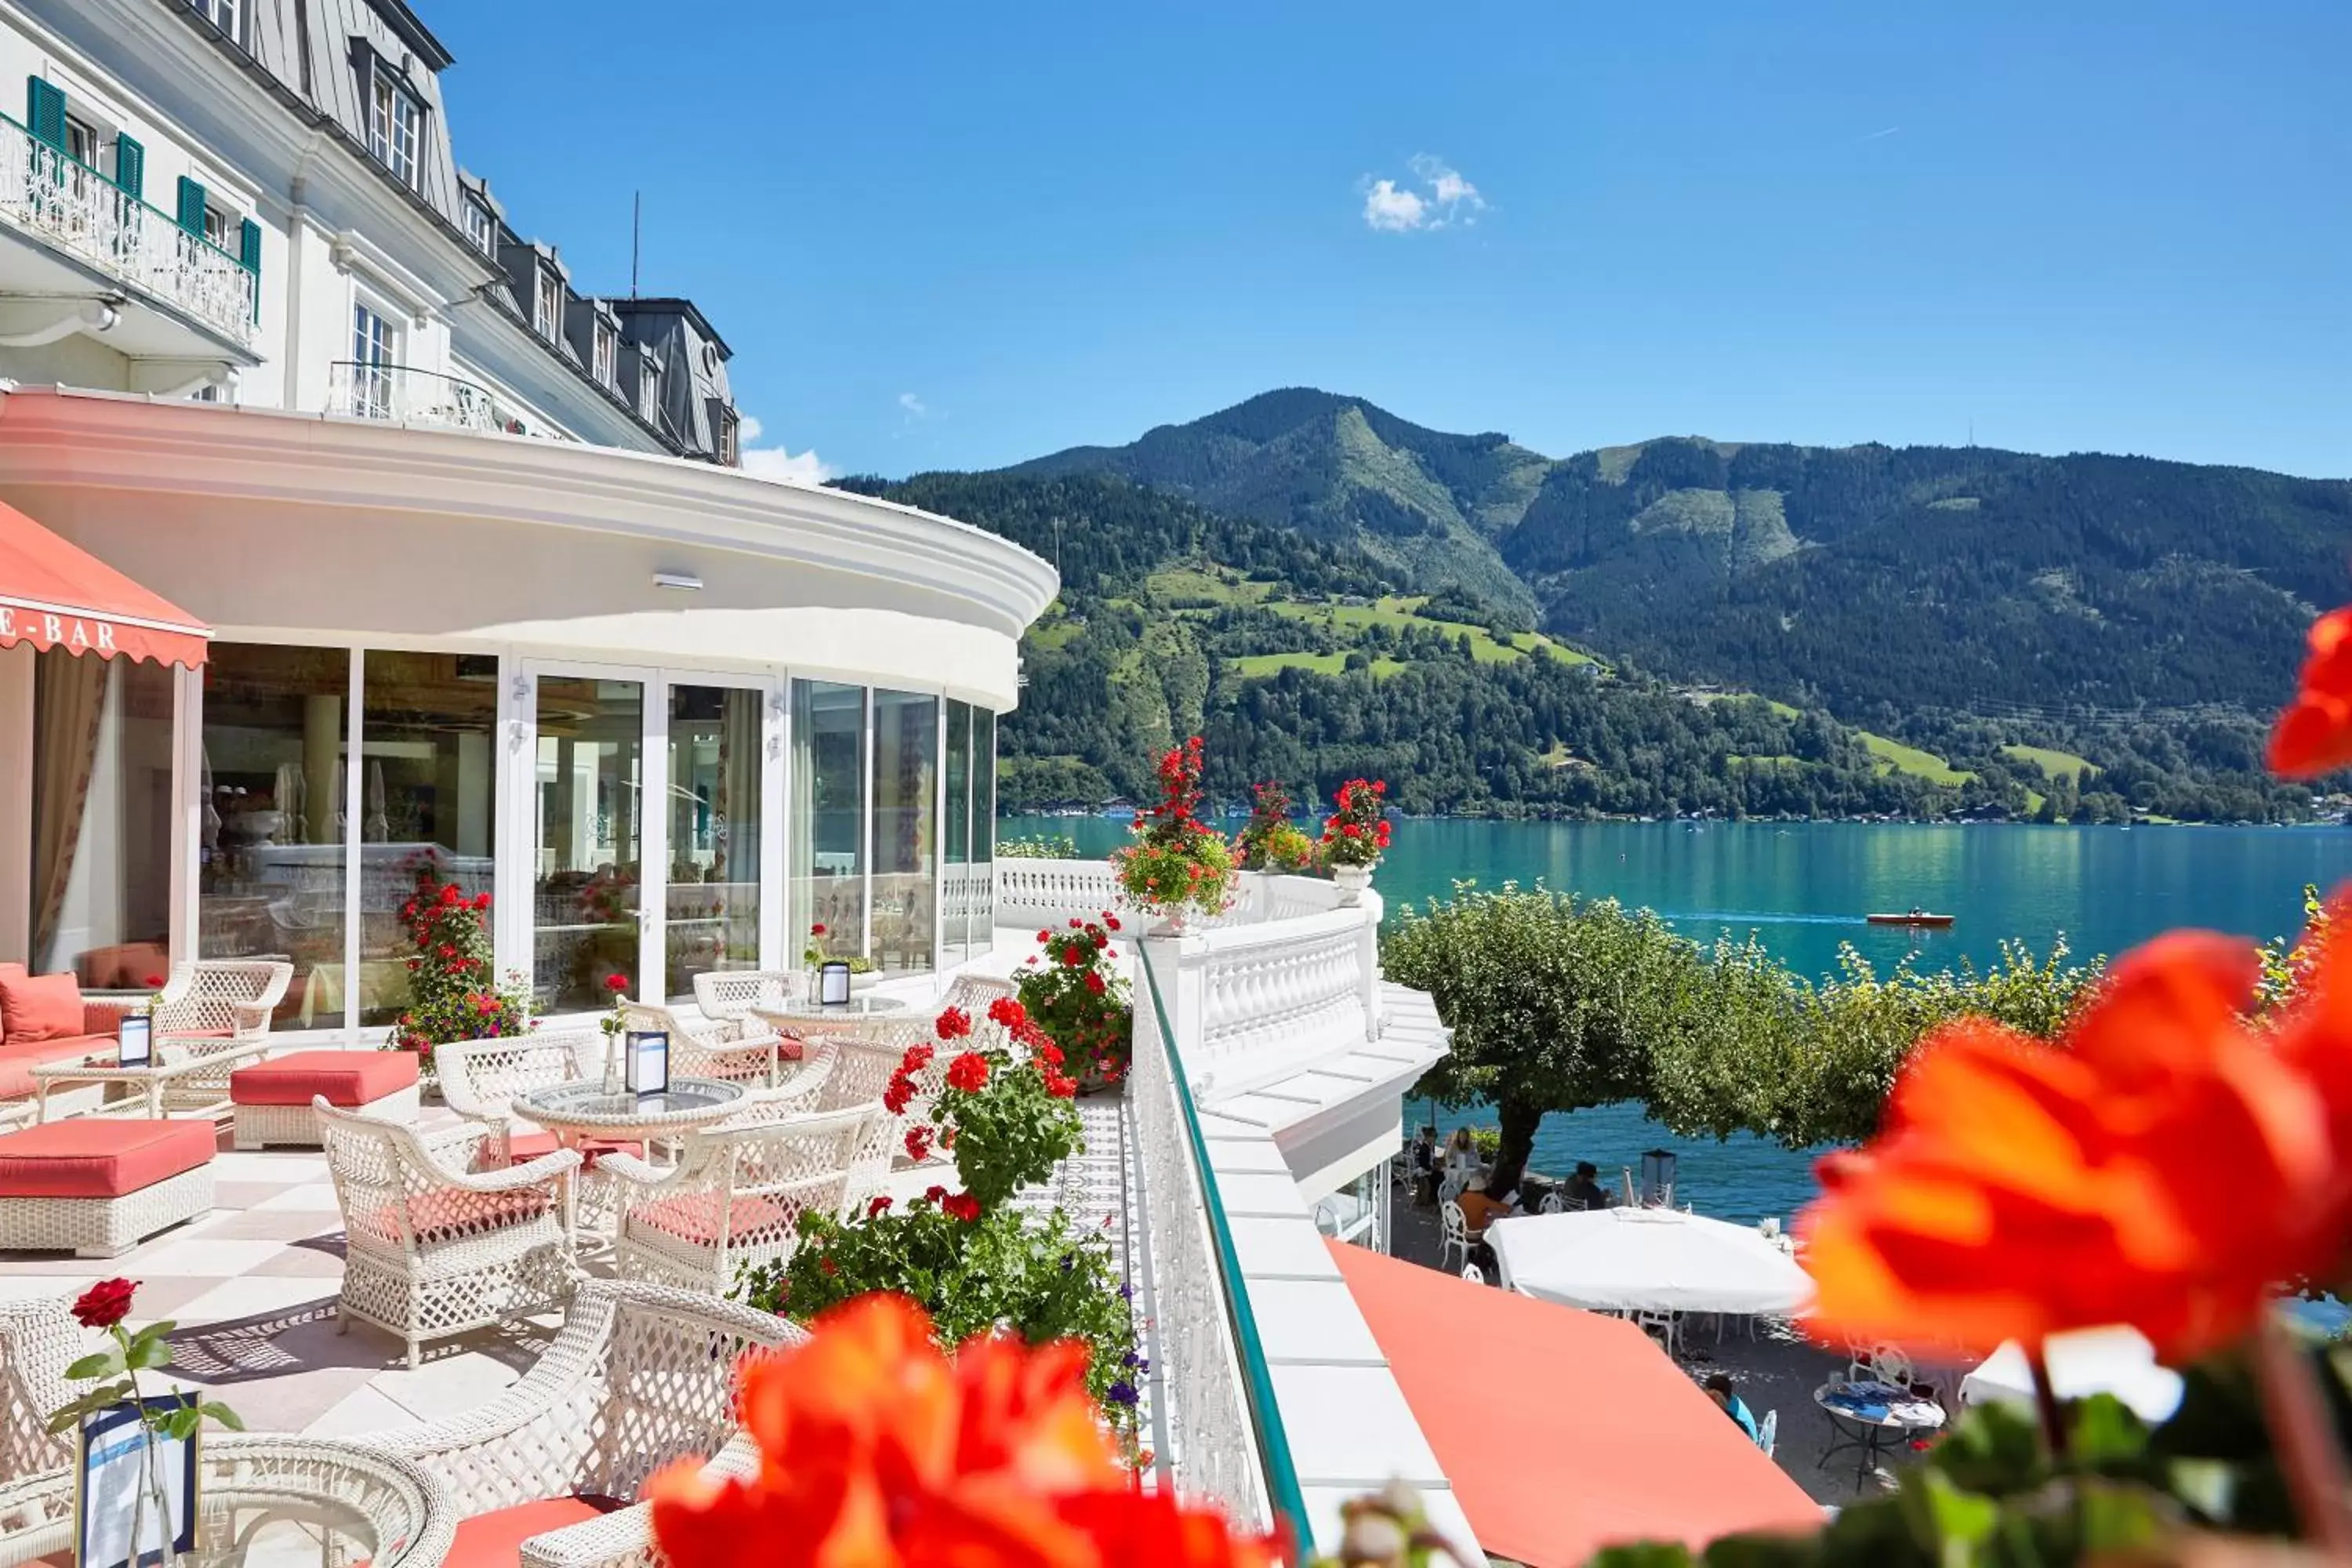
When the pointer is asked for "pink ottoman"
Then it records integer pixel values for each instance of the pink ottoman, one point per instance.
(99, 1186)
(272, 1099)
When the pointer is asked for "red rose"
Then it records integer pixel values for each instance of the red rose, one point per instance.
(154, 980)
(953, 1024)
(879, 1206)
(817, 930)
(964, 1205)
(918, 1143)
(616, 983)
(969, 1072)
(104, 1304)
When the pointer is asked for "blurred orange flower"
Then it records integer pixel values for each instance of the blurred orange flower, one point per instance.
(2162, 1167)
(877, 1448)
(2314, 736)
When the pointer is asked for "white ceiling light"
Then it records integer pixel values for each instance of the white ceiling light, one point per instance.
(687, 580)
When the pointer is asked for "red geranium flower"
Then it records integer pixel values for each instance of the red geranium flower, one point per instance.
(1008, 1012)
(1059, 1086)
(1074, 955)
(104, 1304)
(917, 1058)
(969, 1072)
(1110, 920)
(953, 1024)
(2314, 736)
(881, 1204)
(918, 1143)
(962, 1205)
(935, 1193)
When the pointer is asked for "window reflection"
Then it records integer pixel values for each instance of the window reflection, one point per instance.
(956, 880)
(906, 828)
(586, 908)
(828, 816)
(428, 781)
(983, 830)
(270, 874)
(713, 911)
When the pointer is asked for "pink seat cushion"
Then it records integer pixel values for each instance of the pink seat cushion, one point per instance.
(449, 1213)
(19, 1058)
(694, 1216)
(524, 1147)
(494, 1539)
(96, 1157)
(346, 1079)
(39, 1006)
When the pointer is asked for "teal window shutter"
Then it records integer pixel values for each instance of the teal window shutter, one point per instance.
(248, 245)
(45, 110)
(130, 167)
(192, 205)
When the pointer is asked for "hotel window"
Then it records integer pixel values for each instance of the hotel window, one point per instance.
(271, 862)
(715, 756)
(906, 828)
(395, 125)
(85, 145)
(100, 859)
(723, 423)
(228, 16)
(649, 383)
(548, 304)
(607, 348)
(480, 228)
(428, 770)
(375, 352)
(828, 817)
(220, 228)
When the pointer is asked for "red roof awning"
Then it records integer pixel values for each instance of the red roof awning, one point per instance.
(52, 595)
(1561, 1430)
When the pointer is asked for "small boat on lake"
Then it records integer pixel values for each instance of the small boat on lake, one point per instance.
(1911, 917)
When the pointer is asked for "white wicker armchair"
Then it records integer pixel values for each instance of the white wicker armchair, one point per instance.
(738, 993)
(214, 1017)
(442, 1235)
(735, 1198)
(741, 1050)
(38, 1340)
(480, 1079)
(638, 1376)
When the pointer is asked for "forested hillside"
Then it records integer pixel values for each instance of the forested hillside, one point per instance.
(1304, 661)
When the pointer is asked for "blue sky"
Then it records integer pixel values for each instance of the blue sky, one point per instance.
(956, 236)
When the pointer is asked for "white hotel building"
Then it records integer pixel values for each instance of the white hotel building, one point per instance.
(483, 592)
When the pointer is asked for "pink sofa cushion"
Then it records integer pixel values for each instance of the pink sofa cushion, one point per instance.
(347, 1079)
(39, 1006)
(97, 1157)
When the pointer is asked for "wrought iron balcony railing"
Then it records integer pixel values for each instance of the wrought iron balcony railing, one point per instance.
(73, 206)
(398, 394)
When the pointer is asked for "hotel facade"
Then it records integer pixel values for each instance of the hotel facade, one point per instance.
(489, 598)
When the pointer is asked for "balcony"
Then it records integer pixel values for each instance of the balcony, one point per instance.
(76, 210)
(1270, 1064)
(401, 396)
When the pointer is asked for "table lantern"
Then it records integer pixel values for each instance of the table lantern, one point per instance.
(135, 1040)
(1657, 1179)
(646, 1064)
(832, 984)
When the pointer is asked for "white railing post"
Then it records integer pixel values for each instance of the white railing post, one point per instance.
(1369, 962)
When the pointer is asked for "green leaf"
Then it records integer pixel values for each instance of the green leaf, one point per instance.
(98, 1363)
(224, 1415)
(149, 1353)
(1953, 1516)
(2116, 1518)
(2104, 1432)
(181, 1424)
(1643, 1554)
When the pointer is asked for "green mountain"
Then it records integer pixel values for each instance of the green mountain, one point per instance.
(1429, 505)
(2073, 589)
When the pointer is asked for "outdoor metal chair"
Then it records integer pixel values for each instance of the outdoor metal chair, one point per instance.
(1659, 1326)
(638, 1377)
(1471, 1272)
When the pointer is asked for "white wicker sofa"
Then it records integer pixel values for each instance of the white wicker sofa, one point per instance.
(639, 1375)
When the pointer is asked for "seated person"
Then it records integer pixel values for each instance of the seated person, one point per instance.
(1583, 1191)
(1479, 1211)
(1726, 1398)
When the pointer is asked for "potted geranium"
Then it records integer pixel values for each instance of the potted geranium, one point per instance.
(453, 994)
(1177, 864)
(1072, 992)
(1270, 841)
(1354, 835)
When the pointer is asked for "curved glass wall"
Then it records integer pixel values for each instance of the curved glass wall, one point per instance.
(713, 911)
(906, 830)
(827, 812)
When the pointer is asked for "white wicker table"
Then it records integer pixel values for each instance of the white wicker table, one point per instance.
(264, 1500)
(151, 1081)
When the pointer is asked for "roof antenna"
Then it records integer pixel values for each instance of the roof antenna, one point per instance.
(636, 228)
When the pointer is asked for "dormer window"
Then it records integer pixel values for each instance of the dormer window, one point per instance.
(723, 422)
(547, 310)
(396, 124)
(228, 16)
(649, 396)
(607, 348)
(480, 228)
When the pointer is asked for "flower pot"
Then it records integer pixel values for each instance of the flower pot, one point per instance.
(1351, 881)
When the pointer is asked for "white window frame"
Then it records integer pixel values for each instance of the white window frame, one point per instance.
(228, 16)
(481, 228)
(85, 143)
(396, 124)
(605, 341)
(649, 386)
(547, 303)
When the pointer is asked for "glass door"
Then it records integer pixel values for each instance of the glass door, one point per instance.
(588, 877)
(712, 901)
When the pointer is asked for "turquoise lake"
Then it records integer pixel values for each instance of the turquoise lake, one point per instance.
(1804, 889)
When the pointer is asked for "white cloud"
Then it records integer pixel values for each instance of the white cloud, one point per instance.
(750, 428)
(776, 463)
(915, 406)
(1395, 208)
(1394, 211)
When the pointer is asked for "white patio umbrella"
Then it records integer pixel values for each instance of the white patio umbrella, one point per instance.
(2117, 1361)
(1629, 1259)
